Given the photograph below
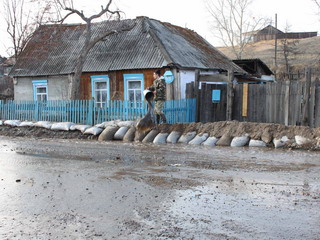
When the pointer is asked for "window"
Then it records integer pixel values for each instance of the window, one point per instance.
(133, 88)
(40, 90)
(100, 90)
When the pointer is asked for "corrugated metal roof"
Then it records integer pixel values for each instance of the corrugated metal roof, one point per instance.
(189, 50)
(54, 49)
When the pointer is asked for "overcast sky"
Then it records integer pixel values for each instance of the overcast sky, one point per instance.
(301, 15)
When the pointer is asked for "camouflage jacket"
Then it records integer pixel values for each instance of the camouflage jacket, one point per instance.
(159, 86)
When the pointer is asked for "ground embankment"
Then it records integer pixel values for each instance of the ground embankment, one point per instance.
(224, 133)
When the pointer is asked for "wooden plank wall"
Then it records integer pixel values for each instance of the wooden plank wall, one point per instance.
(116, 82)
(283, 102)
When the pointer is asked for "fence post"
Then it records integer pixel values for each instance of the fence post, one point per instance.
(245, 87)
(312, 104)
(197, 96)
(90, 113)
(230, 95)
(286, 103)
(1, 109)
(317, 104)
(36, 108)
(305, 108)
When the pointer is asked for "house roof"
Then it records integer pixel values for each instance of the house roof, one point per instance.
(251, 66)
(53, 49)
(266, 30)
(269, 30)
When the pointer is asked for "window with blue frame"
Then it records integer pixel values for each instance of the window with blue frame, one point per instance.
(133, 88)
(40, 90)
(100, 85)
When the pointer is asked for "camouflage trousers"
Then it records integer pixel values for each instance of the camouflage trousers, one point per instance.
(158, 107)
(158, 110)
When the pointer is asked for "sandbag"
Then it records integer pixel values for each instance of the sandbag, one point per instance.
(239, 141)
(161, 138)
(139, 136)
(108, 133)
(120, 133)
(112, 123)
(62, 126)
(79, 127)
(173, 137)
(279, 143)
(267, 136)
(257, 143)
(210, 142)
(26, 124)
(93, 131)
(73, 127)
(199, 139)
(1, 122)
(12, 123)
(100, 125)
(225, 140)
(130, 134)
(150, 136)
(43, 124)
(126, 123)
(185, 138)
(302, 140)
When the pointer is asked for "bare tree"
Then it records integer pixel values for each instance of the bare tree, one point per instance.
(90, 40)
(317, 2)
(22, 17)
(233, 23)
(289, 50)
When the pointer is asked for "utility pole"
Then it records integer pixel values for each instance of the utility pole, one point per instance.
(275, 47)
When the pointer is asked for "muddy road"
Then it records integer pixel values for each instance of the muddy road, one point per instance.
(77, 189)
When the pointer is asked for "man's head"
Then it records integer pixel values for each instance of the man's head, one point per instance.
(156, 74)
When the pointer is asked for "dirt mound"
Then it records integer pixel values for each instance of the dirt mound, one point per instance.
(42, 133)
(256, 131)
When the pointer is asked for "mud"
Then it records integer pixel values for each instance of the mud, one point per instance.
(80, 189)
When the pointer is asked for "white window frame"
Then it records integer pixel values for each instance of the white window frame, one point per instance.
(98, 79)
(133, 78)
(37, 84)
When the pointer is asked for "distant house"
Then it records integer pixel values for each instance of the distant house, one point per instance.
(120, 67)
(6, 82)
(270, 33)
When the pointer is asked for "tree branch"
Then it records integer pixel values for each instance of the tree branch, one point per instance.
(124, 28)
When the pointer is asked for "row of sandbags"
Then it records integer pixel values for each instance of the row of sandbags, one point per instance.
(129, 134)
(126, 131)
(67, 126)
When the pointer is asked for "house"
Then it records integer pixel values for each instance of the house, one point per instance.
(118, 68)
(256, 71)
(269, 33)
(6, 82)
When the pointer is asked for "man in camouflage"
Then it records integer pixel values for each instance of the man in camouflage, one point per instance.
(159, 88)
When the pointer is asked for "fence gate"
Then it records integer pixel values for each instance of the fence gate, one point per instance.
(212, 102)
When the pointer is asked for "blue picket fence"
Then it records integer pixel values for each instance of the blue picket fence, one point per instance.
(85, 111)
